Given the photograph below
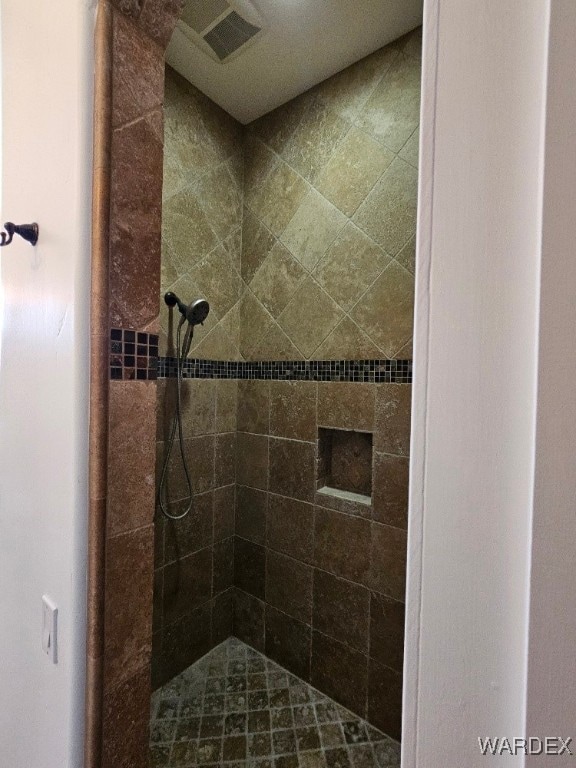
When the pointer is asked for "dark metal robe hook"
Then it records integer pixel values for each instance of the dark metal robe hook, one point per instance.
(28, 231)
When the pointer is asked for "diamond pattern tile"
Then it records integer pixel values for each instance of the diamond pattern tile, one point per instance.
(235, 708)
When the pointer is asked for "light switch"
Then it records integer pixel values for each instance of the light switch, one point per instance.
(50, 628)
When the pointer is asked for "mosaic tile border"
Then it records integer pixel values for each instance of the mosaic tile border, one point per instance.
(371, 371)
(133, 355)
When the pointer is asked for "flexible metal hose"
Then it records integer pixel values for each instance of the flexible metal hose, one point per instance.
(181, 355)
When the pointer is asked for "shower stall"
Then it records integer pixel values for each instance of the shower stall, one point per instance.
(279, 581)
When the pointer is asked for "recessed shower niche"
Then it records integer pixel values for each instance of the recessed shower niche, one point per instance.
(345, 464)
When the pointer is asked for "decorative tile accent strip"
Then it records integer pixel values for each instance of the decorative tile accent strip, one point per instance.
(133, 355)
(372, 371)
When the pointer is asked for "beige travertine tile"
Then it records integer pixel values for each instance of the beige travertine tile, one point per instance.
(393, 408)
(309, 317)
(255, 321)
(351, 265)
(315, 139)
(347, 91)
(277, 279)
(405, 352)
(226, 405)
(409, 151)
(220, 195)
(187, 230)
(257, 242)
(276, 201)
(407, 256)
(345, 405)
(386, 311)
(233, 247)
(217, 281)
(216, 345)
(275, 345)
(168, 272)
(388, 215)
(313, 229)
(185, 135)
(254, 413)
(173, 179)
(347, 342)
(392, 112)
(276, 128)
(412, 43)
(352, 171)
(293, 409)
(259, 160)
(231, 326)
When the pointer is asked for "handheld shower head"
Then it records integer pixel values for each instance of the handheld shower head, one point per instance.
(195, 312)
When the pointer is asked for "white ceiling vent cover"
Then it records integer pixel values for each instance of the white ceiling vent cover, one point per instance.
(220, 28)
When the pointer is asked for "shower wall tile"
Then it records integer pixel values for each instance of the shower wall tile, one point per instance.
(158, 19)
(250, 567)
(288, 642)
(390, 502)
(346, 406)
(130, 456)
(223, 576)
(193, 532)
(293, 409)
(385, 699)
(251, 510)
(392, 112)
(225, 459)
(129, 591)
(136, 214)
(354, 168)
(292, 464)
(387, 309)
(387, 617)
(393, 403)
(388, 561)
(252, 460)
(254, 414)
(290, 527)
(340, 672)
(352, 141)
(125, 727)
(342, 610)
(342, 544)
(249, 619)
(137, 74)
(224, 502)
(202, 216)
(289, 586)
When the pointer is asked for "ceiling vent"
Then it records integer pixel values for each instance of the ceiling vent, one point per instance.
(220, 28)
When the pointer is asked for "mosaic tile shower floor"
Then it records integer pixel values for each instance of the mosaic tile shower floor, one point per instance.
(236, 708)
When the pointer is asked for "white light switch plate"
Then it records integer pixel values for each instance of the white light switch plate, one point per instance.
(50, 628)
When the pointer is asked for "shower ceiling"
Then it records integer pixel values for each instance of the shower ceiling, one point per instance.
(303, 42)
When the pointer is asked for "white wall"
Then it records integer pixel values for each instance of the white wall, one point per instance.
(551, 708)
(475, 379)
(46, 159)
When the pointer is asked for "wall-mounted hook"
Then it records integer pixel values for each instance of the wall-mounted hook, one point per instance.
(28, 231)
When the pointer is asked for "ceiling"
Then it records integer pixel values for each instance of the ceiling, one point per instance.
(303, 42)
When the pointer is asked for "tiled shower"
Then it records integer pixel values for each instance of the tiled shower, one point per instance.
(299, 229)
